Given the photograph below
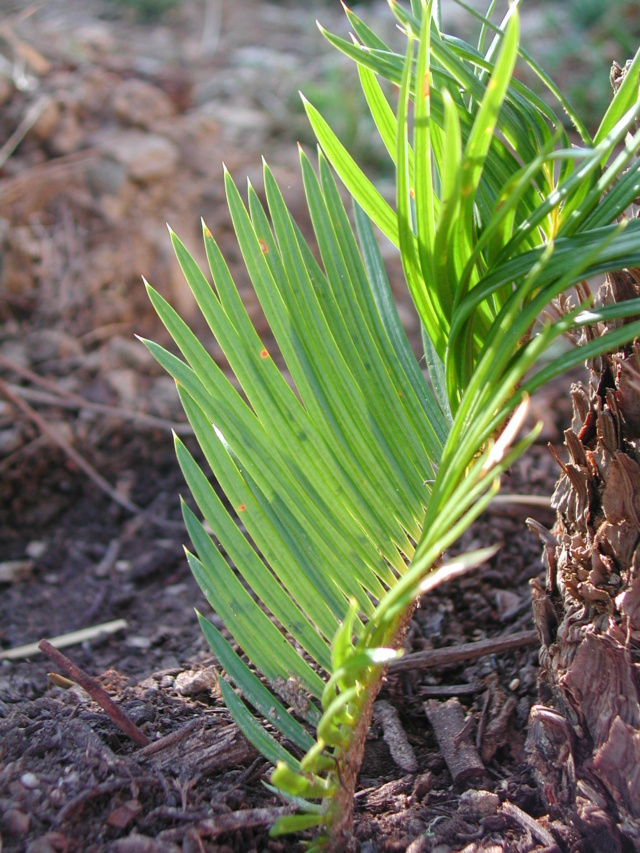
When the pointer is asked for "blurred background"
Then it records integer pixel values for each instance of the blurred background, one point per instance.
(115, 118)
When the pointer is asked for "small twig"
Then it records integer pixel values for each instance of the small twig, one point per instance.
(106, 564)
(530, 824)
(65, 400)
(170, 739)
(29, 447)
(30, 118)
(65, 640)
(522, 500)
(232, 822)
(450, 689)
(78, 401)
(464, 652)
(96, 691)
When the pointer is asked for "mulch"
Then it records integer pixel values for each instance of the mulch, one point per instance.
(445, 762)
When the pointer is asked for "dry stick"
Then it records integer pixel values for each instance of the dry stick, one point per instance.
(67, 399)
(170, 739)
(464, 652)
(231, 822)
(454, 739)
(80, 461)
(30, 118)
(64, 640)
(451, 689)
(96, 691)
(527, 822)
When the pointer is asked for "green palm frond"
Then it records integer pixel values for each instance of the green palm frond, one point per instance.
(353, 476)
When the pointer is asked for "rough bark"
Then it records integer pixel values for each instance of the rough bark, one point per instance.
(584, 739)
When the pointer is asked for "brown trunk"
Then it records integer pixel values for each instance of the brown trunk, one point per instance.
(584, 740)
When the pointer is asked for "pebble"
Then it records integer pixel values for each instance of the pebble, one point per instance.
(138, 642)
(124, 382)
(16, 822)
(137, 102)
(105, 176)
(50, 344)
(10, 440)
(30, 781)
(242, 126)
(68, 136)
(14, 570)
(479, 803)
(163, 397)
(36, 549)
(147, 157)
(192, 682)
(48, 120)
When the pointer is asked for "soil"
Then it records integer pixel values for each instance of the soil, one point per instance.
(94, 535)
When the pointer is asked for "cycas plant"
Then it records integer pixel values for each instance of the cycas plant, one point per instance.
(352, 486)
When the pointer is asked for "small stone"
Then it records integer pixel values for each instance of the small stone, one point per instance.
(514, 684)
(93, 37)
(51, 344)
(239, 125)
(141, 104)
(479, 803)
(147, 157)
(35, 549)
(47, 121)
(10, 440)
(16, 822)
(14, 570)
(15, 351)
(52, 842)
(122, 566)
(125, 383)
(192, 682)
(30, 781)
(163, 397)
(167, 681)
(122, 815)
(105, 176)
(139, 642)
(68, 136)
